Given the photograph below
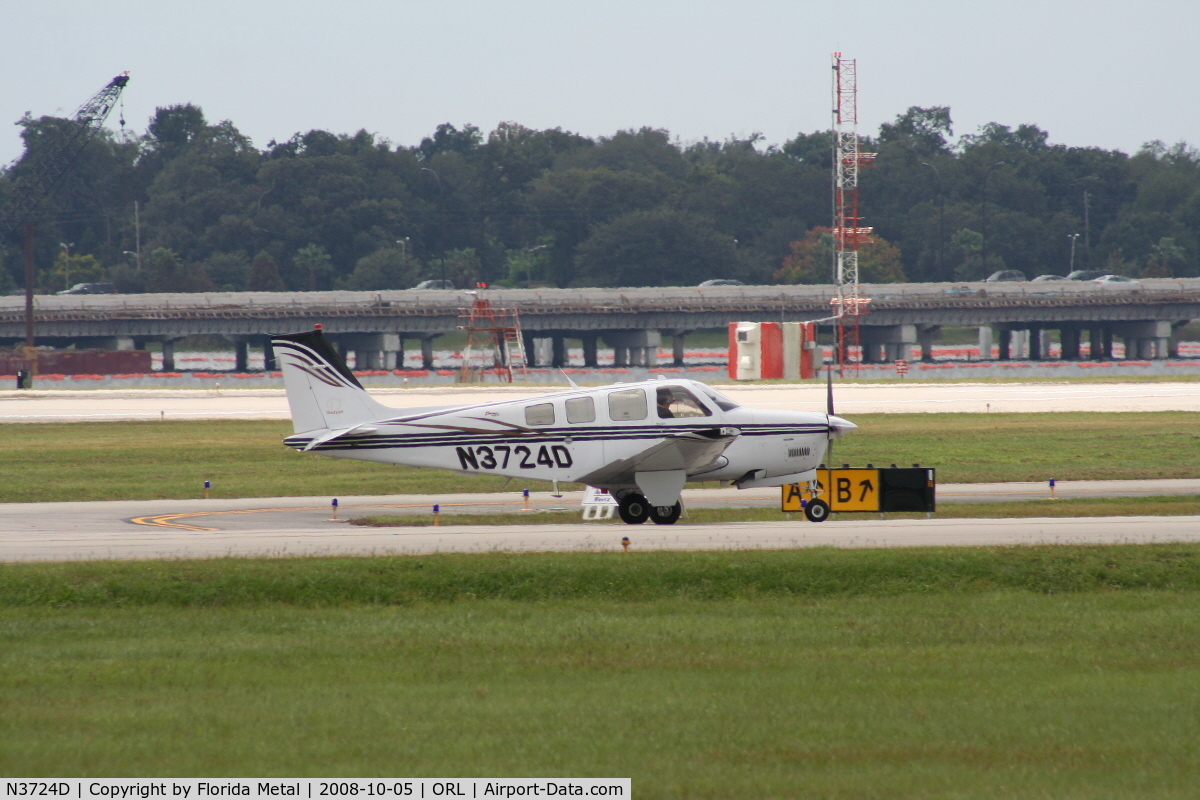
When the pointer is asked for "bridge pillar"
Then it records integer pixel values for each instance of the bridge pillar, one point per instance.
(168, 354)
(371, 350)
(1020, 344)
(241, 356)
(589, 349)
(1070, 343)
(1035, 344)
(269, 364)
(427, 352)
(634, 348)
(531, 344)
(896, 342)
(1143, 339)
(558, 351)
(926, 334)
(985, 343)
(677, 348)
(1005, 344)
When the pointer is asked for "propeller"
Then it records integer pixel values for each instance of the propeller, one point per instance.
(835, 425)
(829, 409)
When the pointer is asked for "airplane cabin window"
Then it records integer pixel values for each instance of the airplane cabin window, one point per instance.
(541, 414)
(674, 402)
(581, 409)
(627, 404)
(722, 402)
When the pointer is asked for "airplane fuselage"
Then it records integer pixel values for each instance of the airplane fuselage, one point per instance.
(572, 436)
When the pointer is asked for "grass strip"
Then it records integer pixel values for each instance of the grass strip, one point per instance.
(634, 577)
(1053, 671)
(245, 458)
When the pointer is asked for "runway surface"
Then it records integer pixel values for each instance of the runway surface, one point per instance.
(296, 526)
(130, 404)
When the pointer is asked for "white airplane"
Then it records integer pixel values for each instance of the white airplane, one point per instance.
(640, 441)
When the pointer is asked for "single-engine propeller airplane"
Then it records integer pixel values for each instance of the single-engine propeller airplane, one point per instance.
(640, 441)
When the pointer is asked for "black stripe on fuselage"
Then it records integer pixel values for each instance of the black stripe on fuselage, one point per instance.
(557, 435)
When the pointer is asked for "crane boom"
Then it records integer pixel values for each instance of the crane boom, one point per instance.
(51, 166)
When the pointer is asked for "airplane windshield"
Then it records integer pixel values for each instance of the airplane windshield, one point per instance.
(675, 402)
(723, 402)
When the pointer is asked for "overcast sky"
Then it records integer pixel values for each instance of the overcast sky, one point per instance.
(1107, 74)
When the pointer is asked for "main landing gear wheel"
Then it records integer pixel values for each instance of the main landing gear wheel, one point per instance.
(666, 515)
(817, 511)
(633, 508)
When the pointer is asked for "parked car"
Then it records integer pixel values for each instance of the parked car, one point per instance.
(1114, 280)
(1049, 278)
(1085, 275)
(90, 288)
(435, 284)
(722, 282)
(1006, 275)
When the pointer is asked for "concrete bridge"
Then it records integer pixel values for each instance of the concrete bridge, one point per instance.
(375, 325)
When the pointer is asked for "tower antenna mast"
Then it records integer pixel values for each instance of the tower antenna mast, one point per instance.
(848, 231)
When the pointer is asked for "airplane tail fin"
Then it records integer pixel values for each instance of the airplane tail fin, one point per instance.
(322, 392)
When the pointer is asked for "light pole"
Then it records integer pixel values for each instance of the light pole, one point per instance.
(983, 210)
(404, 246)
(941, 218)
(66, 246)
(529, 262)
(1072, 237)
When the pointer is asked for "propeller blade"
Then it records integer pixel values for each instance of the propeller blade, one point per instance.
(829, 386)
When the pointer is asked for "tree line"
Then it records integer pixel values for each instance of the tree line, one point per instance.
(194, 206)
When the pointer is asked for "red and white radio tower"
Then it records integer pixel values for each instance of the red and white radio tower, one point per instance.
(848, 232)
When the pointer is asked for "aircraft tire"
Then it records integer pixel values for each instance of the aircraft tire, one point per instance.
(665, 515)
(817, 511)
(634, 509)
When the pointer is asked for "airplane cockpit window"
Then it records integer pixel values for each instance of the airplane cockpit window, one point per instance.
(581, 409)
(627, 404)
(722, 402)
(541, 414)
(675, 402)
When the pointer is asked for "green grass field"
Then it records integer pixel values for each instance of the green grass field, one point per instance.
(141, 460)
(919, 673)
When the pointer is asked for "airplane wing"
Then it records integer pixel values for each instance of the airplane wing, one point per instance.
(684, 454)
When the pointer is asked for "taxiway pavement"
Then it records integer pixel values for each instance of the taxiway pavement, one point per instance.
(292, 526)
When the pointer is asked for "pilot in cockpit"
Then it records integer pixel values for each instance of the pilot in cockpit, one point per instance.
(664, 404)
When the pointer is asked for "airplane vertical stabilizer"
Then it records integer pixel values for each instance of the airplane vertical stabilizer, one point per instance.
(321, 390)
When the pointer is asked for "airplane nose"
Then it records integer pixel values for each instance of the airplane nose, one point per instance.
(839, 427)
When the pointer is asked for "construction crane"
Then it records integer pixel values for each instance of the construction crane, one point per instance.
(51, 166)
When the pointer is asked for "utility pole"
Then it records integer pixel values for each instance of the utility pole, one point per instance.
(941, 218)
(983, 211)
(1087, 245)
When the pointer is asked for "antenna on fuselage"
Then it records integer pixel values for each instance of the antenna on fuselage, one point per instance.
(574, 385)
